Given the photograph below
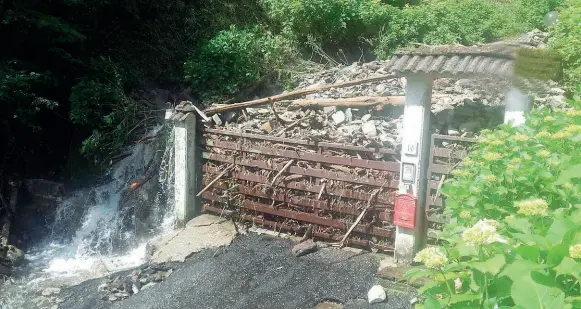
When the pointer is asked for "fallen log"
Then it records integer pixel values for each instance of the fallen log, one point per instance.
(351, 102)
(293, 94)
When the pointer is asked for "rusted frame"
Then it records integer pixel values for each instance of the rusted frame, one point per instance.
(302, 142)
(314, 157)
(381, 210)
(283, 226)
(311, 172)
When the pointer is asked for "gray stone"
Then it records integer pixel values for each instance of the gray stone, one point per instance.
(557, 91)
(329, 109)
(349, 130)
(369, 129)
(366, 117)
(348, 115)
(304, 248)
(470, 126)
(230, 116)
(349, 94)
(147, 286)
(338, 117)
(380, 88)
(376, 294)
(217, 119)
(51, 291)
(14, 255)
(453, 132)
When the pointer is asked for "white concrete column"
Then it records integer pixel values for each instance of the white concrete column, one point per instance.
(517, 106)
(186, 170)
(414, 162)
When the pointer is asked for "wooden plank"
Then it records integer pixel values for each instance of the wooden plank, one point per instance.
(305, 156)
(384, 198)
(285, 140)
(449, 153)
(454, 138)
(312, 172)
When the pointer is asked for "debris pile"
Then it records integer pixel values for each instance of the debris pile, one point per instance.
(119, 288)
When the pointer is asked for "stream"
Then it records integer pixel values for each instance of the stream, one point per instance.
(99, 230)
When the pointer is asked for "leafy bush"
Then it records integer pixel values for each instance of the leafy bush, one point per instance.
(566, 38)
(465, 22)
(329, 21)
(514, 238)
(236, 58)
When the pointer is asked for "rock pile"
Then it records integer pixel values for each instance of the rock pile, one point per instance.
(119, 288)
(460, 107)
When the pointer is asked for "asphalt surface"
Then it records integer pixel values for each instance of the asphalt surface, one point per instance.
(255, 271)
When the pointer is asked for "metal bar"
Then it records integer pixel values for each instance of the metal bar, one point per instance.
(286, 227)
(302, 142)
(314, 157)
(383, 213)
(314, 219)
(352, 194)
(454, 138)
(303, 171)
(449, 153)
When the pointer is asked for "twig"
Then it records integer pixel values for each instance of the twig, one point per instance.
(322, 190)
(440, 184)
(216, 179)
(286, 166)
(373, 195)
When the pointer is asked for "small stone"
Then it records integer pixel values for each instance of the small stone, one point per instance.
(369, 129)
(557, 91)
(329, 109)
(51, 291)
(230, 116)
(350, 129)
(453, 132)
(267, 126)
(102, 287)
(112, 298)
(135, 288)
(470, 126)
(54, 307)
(147, 286)
(349, 94)
(376, 294)
(348, 115)
(217, 119)
(338, 117)
(365, 118)
(380, 88)
(158, 277)
(304, 248)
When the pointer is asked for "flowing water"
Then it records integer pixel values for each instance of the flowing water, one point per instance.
(95, 230)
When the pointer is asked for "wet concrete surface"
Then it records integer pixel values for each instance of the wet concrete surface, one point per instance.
(255, 271)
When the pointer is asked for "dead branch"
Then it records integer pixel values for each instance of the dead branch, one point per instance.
(293, 94)
(286, 166)
(351, 102)
(363, 212)
(216, 179)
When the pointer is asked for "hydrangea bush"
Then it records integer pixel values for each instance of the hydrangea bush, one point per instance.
(514, 236)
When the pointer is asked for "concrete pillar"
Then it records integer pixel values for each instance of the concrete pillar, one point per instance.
(414, 162)
(187, 170)
(517, 106)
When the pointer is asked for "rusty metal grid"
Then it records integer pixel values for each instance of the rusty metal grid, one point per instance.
(323, 186)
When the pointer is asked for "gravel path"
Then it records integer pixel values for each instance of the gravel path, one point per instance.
(255, 271)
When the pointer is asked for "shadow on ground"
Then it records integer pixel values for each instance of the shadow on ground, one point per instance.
(255, 271)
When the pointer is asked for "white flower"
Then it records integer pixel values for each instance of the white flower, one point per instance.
(432, 257)
(483, 232)
(575, 251)
(534, 207)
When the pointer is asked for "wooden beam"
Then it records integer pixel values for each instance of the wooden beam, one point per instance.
(351, 102)
(293, 94)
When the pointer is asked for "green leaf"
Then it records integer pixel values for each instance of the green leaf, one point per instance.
(556, 254)
(520, 268)
(568, 174)
(568, 266)
(530, 253)
(432, 303)
(491, 266)
(531, 295)
(520, 224)
(558, 230)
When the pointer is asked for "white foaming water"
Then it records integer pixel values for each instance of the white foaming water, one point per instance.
(93, 234)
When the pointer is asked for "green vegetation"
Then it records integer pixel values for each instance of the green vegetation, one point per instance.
(566, 38)
(514, 238)
(75, 68)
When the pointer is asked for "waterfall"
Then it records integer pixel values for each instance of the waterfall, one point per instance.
(104, 228)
